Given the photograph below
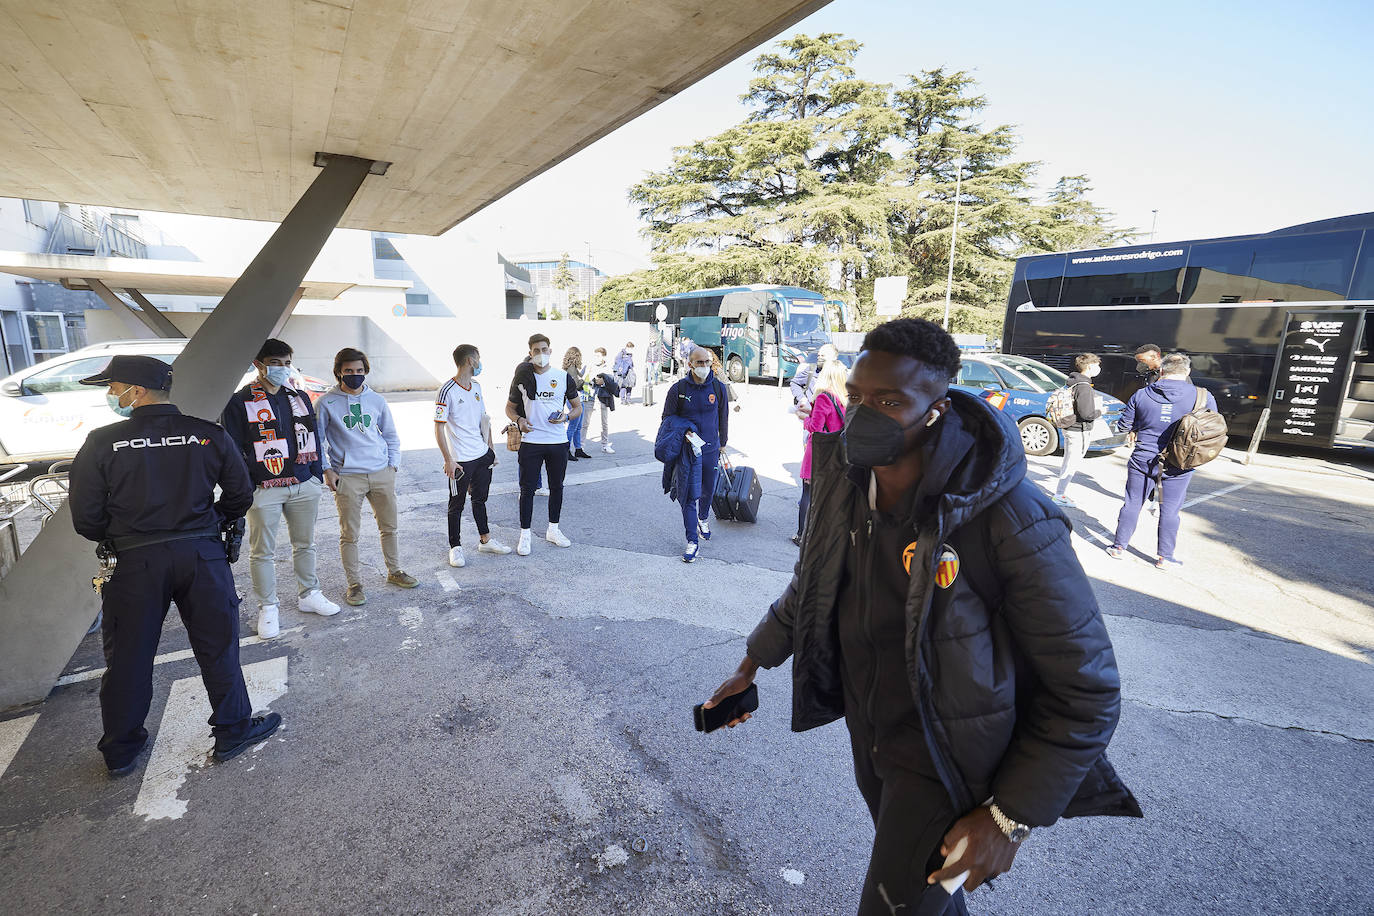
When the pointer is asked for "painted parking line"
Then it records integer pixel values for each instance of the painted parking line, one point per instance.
(12, 735)
(1222, 492)
(178, 656)
(181, 745)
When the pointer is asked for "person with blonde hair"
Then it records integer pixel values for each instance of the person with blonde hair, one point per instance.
(572, 364)
(826, 416)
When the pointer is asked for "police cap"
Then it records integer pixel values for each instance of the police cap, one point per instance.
(145, 371)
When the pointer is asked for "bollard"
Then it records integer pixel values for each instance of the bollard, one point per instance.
(1257, 436)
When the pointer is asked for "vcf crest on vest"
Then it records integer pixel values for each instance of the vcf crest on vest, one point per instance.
(948, 569)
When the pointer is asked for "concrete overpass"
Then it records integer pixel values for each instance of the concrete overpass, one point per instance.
(392, 115)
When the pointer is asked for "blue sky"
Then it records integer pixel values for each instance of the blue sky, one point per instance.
(1227, 117)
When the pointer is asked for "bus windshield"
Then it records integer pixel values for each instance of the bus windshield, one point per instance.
(1038, 374)
(802, 325)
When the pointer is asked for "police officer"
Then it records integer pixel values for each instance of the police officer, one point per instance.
(145, 489)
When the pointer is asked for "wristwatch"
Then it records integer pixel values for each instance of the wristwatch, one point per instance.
(1010, 828)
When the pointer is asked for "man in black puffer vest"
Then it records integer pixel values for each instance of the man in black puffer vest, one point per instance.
(938, 607)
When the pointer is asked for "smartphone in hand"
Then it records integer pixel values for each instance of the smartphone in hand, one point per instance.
(708, 720)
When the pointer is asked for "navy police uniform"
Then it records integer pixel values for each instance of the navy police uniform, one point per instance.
(147, 485)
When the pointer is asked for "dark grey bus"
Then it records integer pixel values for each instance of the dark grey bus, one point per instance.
(1275, 320)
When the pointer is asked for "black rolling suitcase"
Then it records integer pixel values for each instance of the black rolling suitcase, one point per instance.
(720, 499)
(745, 493)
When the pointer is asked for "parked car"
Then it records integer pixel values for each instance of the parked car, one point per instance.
(1022, 387)
(45, 413)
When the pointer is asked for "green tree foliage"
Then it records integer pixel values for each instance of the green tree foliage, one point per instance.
(563, 279)
(831, 181)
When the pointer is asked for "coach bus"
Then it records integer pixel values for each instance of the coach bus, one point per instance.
(758, 331)
(1275, 320)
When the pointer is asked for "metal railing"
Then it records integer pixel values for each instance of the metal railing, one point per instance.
(103, 238)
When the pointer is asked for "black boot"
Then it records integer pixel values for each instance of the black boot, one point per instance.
(571, 456)
(581, 454)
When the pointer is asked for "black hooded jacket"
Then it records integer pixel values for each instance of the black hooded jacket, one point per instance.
(1010, 666)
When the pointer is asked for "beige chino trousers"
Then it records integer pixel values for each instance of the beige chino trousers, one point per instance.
(379, 489)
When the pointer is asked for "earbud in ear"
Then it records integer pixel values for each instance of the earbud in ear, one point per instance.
(934, 418)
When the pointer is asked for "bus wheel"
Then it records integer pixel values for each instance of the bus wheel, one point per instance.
(734, 368)
(1038, 436)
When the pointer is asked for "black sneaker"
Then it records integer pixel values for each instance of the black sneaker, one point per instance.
(127, 768)
(571, 455)
(581, 454)
(260, 730)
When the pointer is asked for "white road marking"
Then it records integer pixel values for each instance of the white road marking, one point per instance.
(182, 742)
(446, 580)
(177, 656)
(12, 735)
(1222, 492)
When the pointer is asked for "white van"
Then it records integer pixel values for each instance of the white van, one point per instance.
(45, 412)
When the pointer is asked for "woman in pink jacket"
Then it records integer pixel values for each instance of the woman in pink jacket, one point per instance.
(826, 416)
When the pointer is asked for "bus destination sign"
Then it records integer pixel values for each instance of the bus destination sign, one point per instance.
(1311, 376)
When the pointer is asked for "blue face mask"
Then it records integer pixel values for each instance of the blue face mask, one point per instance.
(477, 370)
(114, 399)
(278, 375)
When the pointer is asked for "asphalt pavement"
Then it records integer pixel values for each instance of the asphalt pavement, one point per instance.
(515, 736)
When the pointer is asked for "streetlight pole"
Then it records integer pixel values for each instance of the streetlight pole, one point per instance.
(591, 281)
(1154, 221)
(953, 234)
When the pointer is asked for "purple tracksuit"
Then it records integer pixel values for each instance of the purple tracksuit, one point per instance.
(1151, 414)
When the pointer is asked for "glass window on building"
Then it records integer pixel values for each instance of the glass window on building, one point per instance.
(384, 250)
(417, 299)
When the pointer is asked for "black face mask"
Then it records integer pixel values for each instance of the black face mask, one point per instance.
(872, 439)
(353, 381)
(1142, 369)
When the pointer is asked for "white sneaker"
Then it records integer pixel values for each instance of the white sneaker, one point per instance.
(704, 529)
(606, 447)
(456, 558)
(268, 627)
(316, 603)
(689, 553)
(523, 548)
(542, 491)
(556, 537)
(493, 546)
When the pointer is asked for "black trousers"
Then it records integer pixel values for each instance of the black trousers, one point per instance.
(476, 477)
(911, 815)
(554, 459)
(195, 574)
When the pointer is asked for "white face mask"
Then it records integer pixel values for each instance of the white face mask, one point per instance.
(701, 372)
(540, 359)
(1093, 370)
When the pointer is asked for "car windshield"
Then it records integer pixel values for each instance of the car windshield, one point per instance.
(1039, 375)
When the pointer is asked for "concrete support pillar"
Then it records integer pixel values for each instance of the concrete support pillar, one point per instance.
(206, 372)
(164, 326)
(46, 600)
(134, 324)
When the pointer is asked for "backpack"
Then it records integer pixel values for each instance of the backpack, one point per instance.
(1197, 439)
(1059, 409)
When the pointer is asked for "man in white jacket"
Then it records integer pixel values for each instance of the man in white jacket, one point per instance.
(360, 457)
